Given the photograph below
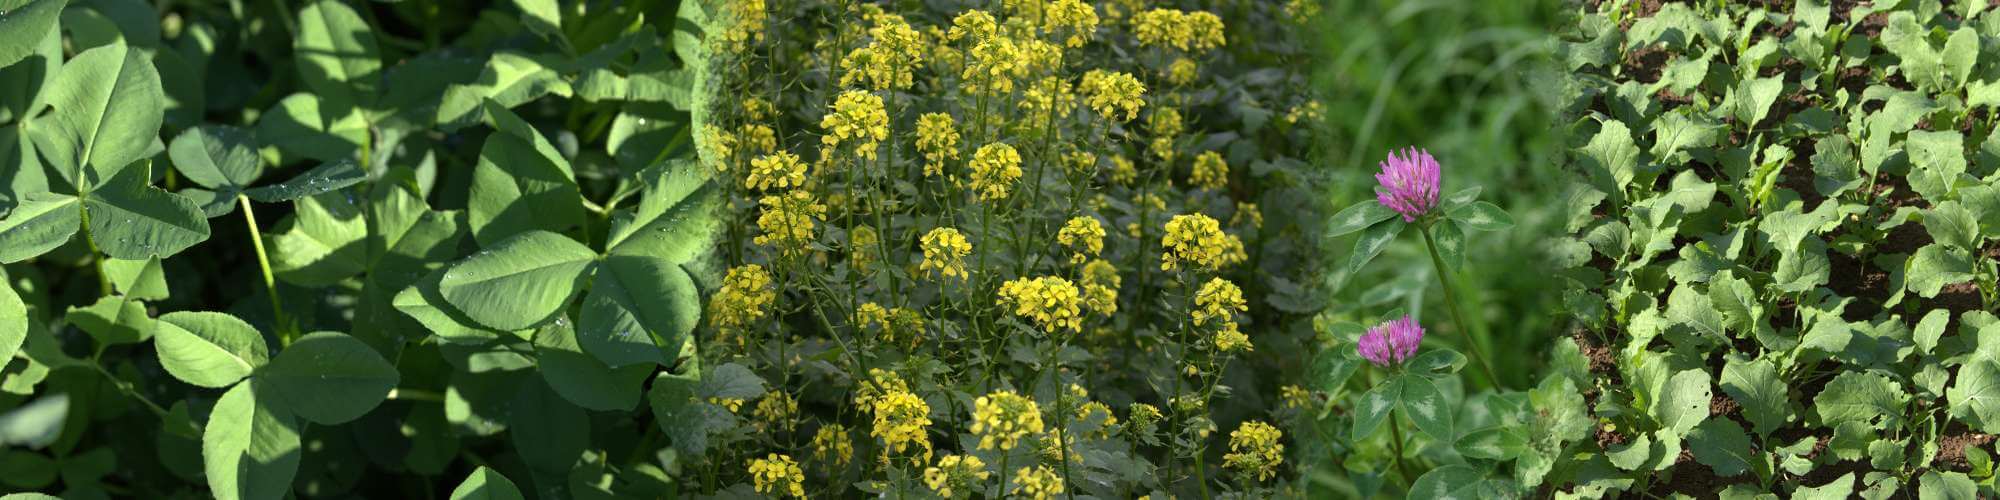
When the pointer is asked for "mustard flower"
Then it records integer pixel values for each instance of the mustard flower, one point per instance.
(731, 404)
(1210, 172)
(995, 167)
(1218, 300)
(1391, 342)
(937, 139)
(1044, 100)
(1164, 121)
(1074, 17)
(778, 475)
(1080, 161)
(1052, 303)
(1409, 184)
(865, 394)
(787, 221)
(1084, 237)
(777, 410)
(1182, 72)
(1254, 450)
(758, 109)
(956, 476)
(1295, 397)
(1100, 287)
(1145, 418)
(749, 17)
(781, 170)
(1112, 93)
(1247, 213)
(1204, 30)
(831, 445)
(1038, 483)
(756, 138)
(1162, 28)
(1198, 240)
(1122, 171)
(993, 64)
(976, 25)
(944, 253)
(745, 293)
(857, 116)
(894, 325)
(902, 419)
(862, 243)
(889, 60)
(1002, 418)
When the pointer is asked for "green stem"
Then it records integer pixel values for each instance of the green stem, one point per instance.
(1451, 300)
(96, 258)
(264, 264)
(1396, 434)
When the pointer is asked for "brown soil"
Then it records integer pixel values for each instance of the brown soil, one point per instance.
(1951, 449)
(1866, 284)
(1646, 63)
(1721, 404)
(1644, 9)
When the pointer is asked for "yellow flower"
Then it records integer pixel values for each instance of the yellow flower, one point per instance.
(1053, 303)
(749, 17)
(777, 410)
(1100, 287)
(1254, 450)
(862, 243)
(1122, 171)
(889, 60)
(1164, 121)
(1080, 161)
(1295, 397)
(756, 138)
(858, 116)
(1162, 148)
(894, 325)
(1002, 418)
(1072, 16)
(995, 167)
(937, 139)
(1048, 98)
(1247, 212)
(722, 142)
(1308, 112)
(1301, 11)
(781, 170)
(831, 445)
(1084, 236)
(1218, 300)
(1210, 172)
(976, 24)
(787, 221)
(1039, 483)
(1198, 240)
(944, 253)
(1230, 338)
(731, 404)
(901, 419)
(1182, 72)
(1111, 93)
(994, 63)
(1162, 28)
(745, 292)
(956, 474)
(756, 108)
(865, 394)
(1053, 450)
(1205, 29)
(778, 475)
(1145, 418)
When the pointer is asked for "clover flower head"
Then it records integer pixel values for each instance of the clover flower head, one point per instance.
(1391, 342)
(1409, 183)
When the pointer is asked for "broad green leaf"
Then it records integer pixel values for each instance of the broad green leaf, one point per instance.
(1687, 306)
(520, 282)
(509, 79)
(1936, 158)
(137, 279)
(250, 450)
(1450, 482)
(639, 310)
(549, 432)
(1975, 397)
(1450, 242)
(1561, 413)
(544, 17)
(486, 484)
(1370, 244)
(1765, 399)
(1611, 159)
(1935, 266)
(305, 125)
(1931, 328)
(1861, 397)
(1358, 216)
(130, 219)
(520, 184)
(336, 52)
(218, 157)
(329, 378)
(112, 320)
(42, 222)
(1482, 216)
(108, 108)
(326, 178)
(1492, 443)
(25, 25)
(1755, 96)
(208, 349)
(1721, 444)
(1839, 489)
(1426, 407)
(1683, 403)
(1675, 134)
(322, 243)
(1374, 407)
(1961, 52)
(422, 302)
(583, 379)
(1950, 223)
(1946, 486)
(13, 322)
(1835, 169)
(674, 222)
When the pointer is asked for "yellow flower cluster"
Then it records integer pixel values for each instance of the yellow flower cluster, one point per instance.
(1080, 161)
(1053, 303)
(777, 410)
(1198, 240)
(978, 25)
(778, 475)
(1084, 237)
(944, 253)
(748, 26)
(902, 419)
(1112, 93)
(1295, 397)
(937, 139)
(745, 291)
(781, 170)
(1039, 482)
(756, 138)
(993, 64)
(1122, 171)
(858, 117)
(1145, 418)
(862, 243)
(1094, 409)
(1074, 17)
(890, 59)
(1247, 212)
(888, 381)
(832, 446)
(1198, 31)
(757, 109)
(731, 404)
(1210, 172)
(1302, 11)
(895, 325)
(956, 476)
(1002, 418)
(1182, 72)
(995, 167)
(787, 221)
(1254, 450)
(1308, 112)
(1046, 99)
(1219, 301)
(1100, 287)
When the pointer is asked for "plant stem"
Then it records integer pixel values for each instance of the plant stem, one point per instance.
(264, 264)
(1451, 301)
(1396, 434)
(96, 259)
